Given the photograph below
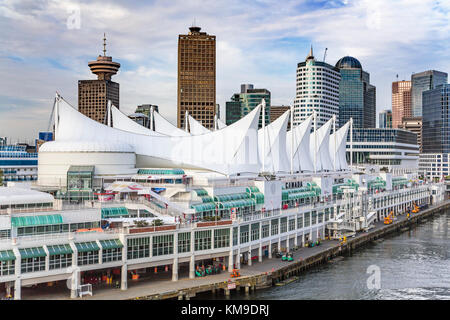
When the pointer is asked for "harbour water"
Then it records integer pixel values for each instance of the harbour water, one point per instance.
(414, 264)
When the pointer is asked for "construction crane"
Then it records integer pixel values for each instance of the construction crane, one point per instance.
(325, 54)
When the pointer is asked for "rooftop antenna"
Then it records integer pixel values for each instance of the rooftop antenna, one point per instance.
(325, 54)
(397, 76)
(104, 44)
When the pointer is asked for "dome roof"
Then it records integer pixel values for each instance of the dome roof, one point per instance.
(85, 146)
(348, 62)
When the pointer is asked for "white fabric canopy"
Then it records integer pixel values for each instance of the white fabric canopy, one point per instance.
(220, 124)
(122, 122)
(302, 156)
(231, 150)
(322, 159)
(196, 127)
(276, 159)
(338, 147)
(166, 127)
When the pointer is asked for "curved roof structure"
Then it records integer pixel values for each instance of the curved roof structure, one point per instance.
(348, 63)
(196, 127)
(166, 127)
(322, 159)
(86, 146)
(338, 145)
(231, 150)
(302, 157)
(220, 124)
(275, 157)
(122, 122)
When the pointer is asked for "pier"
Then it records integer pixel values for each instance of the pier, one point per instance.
(259, 275)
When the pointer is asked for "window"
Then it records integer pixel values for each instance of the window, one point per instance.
(307, 217)
(291, 224)
(300, 222)
(59, 261)
(221, 238)
(255, 232)
(138, 248)
(235, 236)
(274, 227)
(314, 218)
(113, 254)
(184, 242)
(7, 267)
(244, 234)
(33, 264)
(202, 240)
(162, 245)
(283, 225)
(265, 230)
(88, 257)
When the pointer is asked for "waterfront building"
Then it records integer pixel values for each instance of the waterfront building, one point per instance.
(413, 124)
(93, 95)
(401, 102)
(244, 102)
(394, 149)
(357, 97)
(436, 120)
(317, 89)
(16, 163)
(197, 77)
(434, 166)
(385, 119)
(421, 82)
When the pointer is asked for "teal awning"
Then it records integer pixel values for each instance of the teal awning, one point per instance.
(237, 203)
(27, 221)
(230, 197)
(7, 255)
(87, 246)
(111, 244)
(32, 252)
(161, 172)
(210, 206)
(114, 212)
(59, 249)
(201, 192)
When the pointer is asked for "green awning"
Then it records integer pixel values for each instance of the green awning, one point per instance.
(237, 203)
(161, 171)
(27, 221)
(111, 244)
(230, 197)
(87, 246)
(210, 206)
(7, 255)
(114, 212)
(59, 249)
(201, 192)
(32, 252)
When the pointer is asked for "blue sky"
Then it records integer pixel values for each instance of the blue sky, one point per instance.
(42, 50)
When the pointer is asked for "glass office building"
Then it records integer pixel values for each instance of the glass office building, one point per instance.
(385, 119)
(357, 97)
(421, 82)
(436, 120)
(244, 102)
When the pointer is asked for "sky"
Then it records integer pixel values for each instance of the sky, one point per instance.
(45, 46)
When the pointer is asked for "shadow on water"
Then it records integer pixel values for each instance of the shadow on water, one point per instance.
(412, 265)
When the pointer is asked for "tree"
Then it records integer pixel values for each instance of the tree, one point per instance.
(157, 222)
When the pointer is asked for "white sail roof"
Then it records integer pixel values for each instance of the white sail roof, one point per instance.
(122, 122)
(228, 151)
(276, 159)
(302, 157)
(220, 124)
(322, 153)
(338, 145)
(196, 127)
(165, 127)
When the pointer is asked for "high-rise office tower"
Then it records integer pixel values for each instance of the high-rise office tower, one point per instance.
(421, 82)
(93, 95)
(385, 119)
(197, 77)
(413, 124)
(248, 99)
(357, 97)
(436, 120)
(317, 89)
(401, 102)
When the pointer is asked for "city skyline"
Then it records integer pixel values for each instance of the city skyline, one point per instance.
(276, 38)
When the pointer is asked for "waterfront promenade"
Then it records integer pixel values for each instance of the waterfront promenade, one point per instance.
(162, 286)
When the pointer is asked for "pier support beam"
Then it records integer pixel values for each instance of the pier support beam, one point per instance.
(192, 268)
(270, 249)
(75, 282)
(18, 289)
(260, 253)
(175, 269)
(249, 257)
(124, 278)
(238, 259)
(230, 261)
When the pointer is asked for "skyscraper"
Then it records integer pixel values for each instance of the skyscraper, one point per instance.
(421, 82)
(357, 97)
(436, 120)
(93, 95)
(385, 119)
(413, 124)
(317, 89)
(401, 102)
(248, 99)
(197, 77)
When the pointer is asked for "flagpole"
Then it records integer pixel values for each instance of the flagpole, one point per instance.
(263, 103)
(315, 141)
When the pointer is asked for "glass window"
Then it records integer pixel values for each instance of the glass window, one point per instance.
(221, 238)
(202, 240)
(138, 248)
(162, 245)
